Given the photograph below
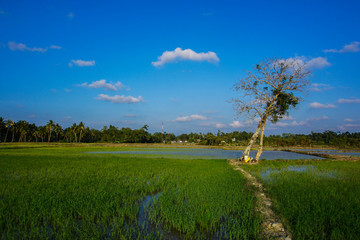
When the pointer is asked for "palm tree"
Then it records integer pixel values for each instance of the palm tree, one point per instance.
(36, 134)
(50, 127)
(57, 130)
(81, 129)
(74, 130)
(42, 131)
(23, 129)
(8, 125)
(1, 125)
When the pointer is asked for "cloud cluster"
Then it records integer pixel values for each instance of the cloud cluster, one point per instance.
(81, 63)
(213, 124)
(120, 99)
(103, 84)
(317, 118)
(310, 63)
(352, 47)
(236, 124)
(14, 46)
(291, 124)
(180, 55)
(318, 105)
(320, 87)
(190, 118)
(353, 100)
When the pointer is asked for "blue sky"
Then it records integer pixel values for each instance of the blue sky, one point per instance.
(130, 63)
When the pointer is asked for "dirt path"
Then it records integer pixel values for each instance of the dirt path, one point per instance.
(271, 227)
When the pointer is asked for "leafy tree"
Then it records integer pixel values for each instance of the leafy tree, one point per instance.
(268, 92)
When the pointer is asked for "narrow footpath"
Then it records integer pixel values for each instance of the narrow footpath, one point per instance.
(271, 226)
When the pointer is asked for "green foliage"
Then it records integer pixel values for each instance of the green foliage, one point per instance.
(316, 199)
(63, 193)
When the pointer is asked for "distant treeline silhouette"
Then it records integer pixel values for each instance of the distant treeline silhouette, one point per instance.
(22, 131)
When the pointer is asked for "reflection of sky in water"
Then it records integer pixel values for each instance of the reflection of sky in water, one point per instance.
(268, 174)
(329, 151)
(211, 153)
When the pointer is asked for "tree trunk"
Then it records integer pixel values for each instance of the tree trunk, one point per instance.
(13, 136)
(260, 150)
(49, 136)
(7, 131)
(246, 153)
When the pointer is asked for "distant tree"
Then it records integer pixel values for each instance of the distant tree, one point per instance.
(50, 127)
(80, 129)
(268, 92)
(8, 124)
(74, 130)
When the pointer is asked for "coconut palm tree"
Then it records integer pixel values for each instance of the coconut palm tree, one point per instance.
(74, 130)
(8, 124)
(81, 129)
(50, 128)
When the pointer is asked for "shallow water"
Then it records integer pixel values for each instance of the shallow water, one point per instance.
(210, 153)
(329, 151)
(268, 174)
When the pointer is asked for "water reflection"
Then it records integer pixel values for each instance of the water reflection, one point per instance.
(210, 153)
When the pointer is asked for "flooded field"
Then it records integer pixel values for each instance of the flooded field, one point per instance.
(330, 151)
(208, 153)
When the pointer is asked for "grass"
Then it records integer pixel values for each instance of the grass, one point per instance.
(59, 192)
(316, 199)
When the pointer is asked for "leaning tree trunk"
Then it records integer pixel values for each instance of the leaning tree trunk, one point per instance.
(260, 150)
(252, 141)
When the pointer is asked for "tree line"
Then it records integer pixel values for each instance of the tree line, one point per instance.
(23, 131)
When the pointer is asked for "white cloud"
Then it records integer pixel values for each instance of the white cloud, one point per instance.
(68, 118)
(190, 118)
(285, 118)
(318, 118)
(349, 120)
(349, 125)
(292, 124)
(81, 63)
(320, 87)
(179, 55)
(352, 47)
(213, 124)
(129, 115)
(319, 62)
(120, 99)
(236, 124)
(321, 106)
(13, 46)
(67, 90)
(55, 47)
(353, 100)
(53, 90)
(103, 84)
(311, 63)
(32, 116)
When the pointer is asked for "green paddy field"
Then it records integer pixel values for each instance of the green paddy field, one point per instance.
(64, 192)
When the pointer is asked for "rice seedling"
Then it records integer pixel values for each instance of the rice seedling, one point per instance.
(316, 199)
(60, 192)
